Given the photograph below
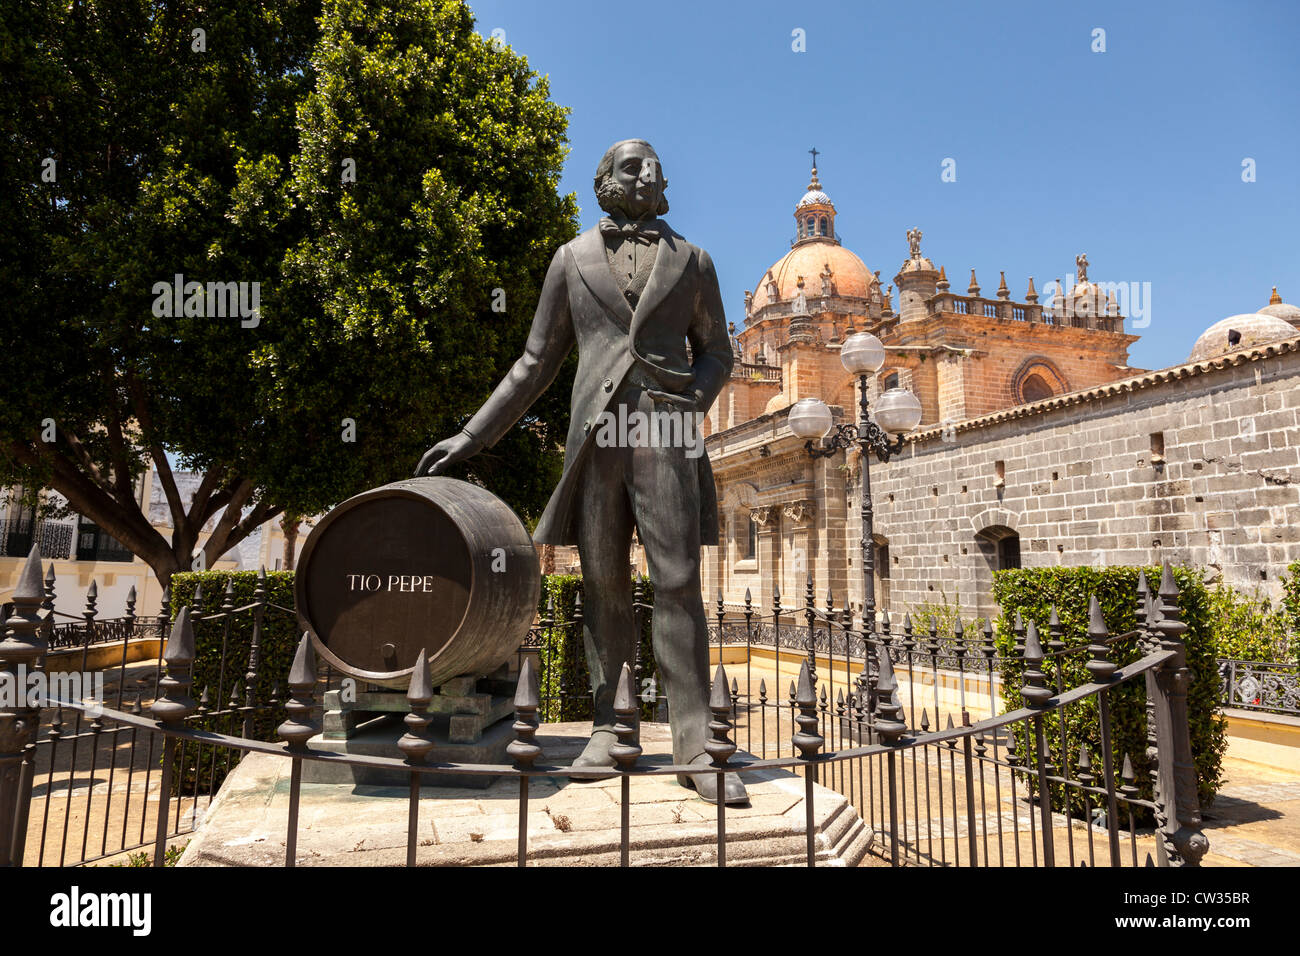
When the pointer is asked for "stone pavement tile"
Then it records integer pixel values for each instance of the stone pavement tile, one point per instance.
(680, 812)
(439, 808)
(495, 826)
(578, 798)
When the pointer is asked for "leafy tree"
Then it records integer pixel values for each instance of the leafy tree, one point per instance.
(387, 177)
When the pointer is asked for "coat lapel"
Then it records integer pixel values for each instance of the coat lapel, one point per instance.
(593, 267)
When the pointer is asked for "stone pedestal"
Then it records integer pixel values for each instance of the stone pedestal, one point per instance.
(471, 724)
(570, 823)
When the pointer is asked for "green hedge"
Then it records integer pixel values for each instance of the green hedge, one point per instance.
(276, 644)
(1033, 592)
(278, 639)
(562, 673)
(1291, 605)
(1248, 628)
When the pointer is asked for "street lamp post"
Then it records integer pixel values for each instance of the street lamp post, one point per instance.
(897, 411)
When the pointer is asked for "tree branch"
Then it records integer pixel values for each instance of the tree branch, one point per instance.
(199, 503)
(262, 512)
(160, 463)
(229, 519)
(83, 457)
(124, 522)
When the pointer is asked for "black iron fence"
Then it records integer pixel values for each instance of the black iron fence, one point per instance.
(873, 713)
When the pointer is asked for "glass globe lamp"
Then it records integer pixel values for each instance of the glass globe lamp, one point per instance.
(897, 411)
(810, 419)
(862, 353)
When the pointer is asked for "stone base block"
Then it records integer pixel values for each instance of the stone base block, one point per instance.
(378, 738)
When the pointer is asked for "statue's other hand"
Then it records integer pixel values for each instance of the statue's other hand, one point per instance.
(686, 403)
(446, 453)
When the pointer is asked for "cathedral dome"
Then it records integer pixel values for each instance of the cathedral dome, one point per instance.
(816, 258)
(1256, 328)
(1282, 310)
(810, 260)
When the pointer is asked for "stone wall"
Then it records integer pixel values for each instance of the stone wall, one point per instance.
(1200, 468)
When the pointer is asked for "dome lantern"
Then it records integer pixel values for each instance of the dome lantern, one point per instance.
(814, 214)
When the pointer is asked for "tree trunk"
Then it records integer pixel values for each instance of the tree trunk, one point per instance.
(548, 559)
(289, 525)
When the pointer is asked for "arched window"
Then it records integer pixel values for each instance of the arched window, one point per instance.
(1036, 379)
(812, 225)
(751, 541)
(1034, 389)
(1001, 546)
(822, 226)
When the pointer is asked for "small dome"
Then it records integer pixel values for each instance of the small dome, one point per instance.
(1282, 310)
(919, 264)
(1256, 328)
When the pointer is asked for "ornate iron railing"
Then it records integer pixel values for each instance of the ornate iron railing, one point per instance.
(1260, 685)
(17, 535)
(997, 791)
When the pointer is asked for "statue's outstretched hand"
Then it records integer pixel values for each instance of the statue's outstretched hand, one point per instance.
(446, 453)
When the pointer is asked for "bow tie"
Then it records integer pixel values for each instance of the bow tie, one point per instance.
(644, 231)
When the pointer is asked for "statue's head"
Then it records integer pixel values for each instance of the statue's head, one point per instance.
(630, 180)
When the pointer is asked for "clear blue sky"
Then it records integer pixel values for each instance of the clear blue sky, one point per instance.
(1133, 156)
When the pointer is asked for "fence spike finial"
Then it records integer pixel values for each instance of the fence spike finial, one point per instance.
(719, 746)
(416, 742)
(524, 749)
(1035, 692)
(887, 724)
(23, 637)
(806, 739)
(174, 703)
(298, 726)
(1101, 667)
(626, 751)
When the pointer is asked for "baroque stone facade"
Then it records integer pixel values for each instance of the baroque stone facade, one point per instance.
(1039, 445)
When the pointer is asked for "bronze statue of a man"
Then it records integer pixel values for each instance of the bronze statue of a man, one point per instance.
(630, 293)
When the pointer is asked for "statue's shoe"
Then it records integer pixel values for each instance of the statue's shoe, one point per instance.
(596, 756)
(706, 785)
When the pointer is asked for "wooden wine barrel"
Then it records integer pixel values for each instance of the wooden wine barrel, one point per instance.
(427, 563)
